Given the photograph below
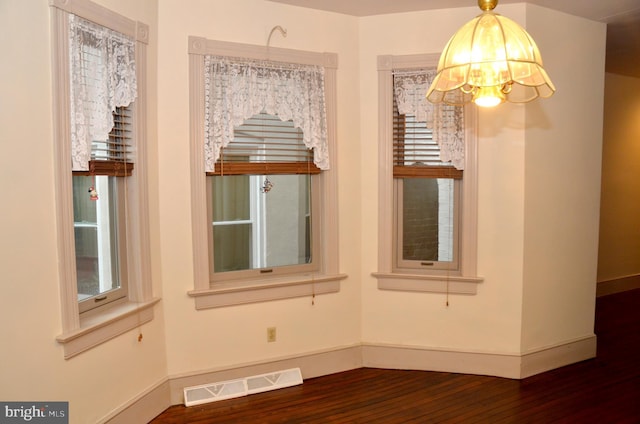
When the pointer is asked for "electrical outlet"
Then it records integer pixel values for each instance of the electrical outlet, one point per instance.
(271, 334)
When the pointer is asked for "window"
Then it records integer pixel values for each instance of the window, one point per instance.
(260, 200)
(99, 214)
(100, 173)
(263, 191)
(427, 198)
(427, 191)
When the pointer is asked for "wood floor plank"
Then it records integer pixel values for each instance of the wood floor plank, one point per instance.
(605, 389)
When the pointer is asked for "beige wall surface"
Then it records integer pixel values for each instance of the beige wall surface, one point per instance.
(531, 158)
(33, 367)
(536, 189)
(224, 337)
(562, 180)
(489, 321)
(520, 149)
(619, 250)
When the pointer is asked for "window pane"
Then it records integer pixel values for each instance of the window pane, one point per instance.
(231, 198)
(261, 221)
(95, 236)
(286, 236)
(233, 247)
(428, 219)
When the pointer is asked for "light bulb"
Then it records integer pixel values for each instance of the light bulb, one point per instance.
(488, 96)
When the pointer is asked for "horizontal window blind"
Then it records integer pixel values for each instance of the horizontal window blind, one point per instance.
(114, 156)
(265, 145)
(415, 152)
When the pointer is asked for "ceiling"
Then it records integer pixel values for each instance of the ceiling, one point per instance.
(621, 16)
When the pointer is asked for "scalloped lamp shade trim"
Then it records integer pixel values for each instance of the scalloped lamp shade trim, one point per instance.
(488, 61)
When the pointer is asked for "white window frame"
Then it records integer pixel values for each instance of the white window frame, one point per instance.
(104, 231)
(83, 331)
(257, 220)
(465, 279)
(400, 264)
(211, 294)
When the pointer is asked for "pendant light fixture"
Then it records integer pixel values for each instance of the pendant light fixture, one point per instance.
(488, 61)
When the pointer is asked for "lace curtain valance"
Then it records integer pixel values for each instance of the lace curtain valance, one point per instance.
(446, 122)
(103, 77)
(237, 89)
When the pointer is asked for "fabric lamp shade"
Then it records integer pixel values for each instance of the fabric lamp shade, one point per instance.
(490, 60)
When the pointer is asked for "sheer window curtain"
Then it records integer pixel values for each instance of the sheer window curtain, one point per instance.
(446, 122)
(237, 89)
(103, 77)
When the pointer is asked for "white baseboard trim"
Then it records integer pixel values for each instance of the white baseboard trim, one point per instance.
(170, 391)
(508, 365)
(552, 357)
(315, 364)
(428, 359)
(144, 407)
(312, 364)
(618, 285)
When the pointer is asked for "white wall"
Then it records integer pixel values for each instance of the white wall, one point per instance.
(226, 337)
(563, 156)
(33, 368)
(489, 321)
(531, 158)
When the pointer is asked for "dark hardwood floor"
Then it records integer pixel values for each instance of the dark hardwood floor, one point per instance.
(605, 389)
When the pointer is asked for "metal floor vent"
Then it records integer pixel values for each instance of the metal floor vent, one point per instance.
(205, 393)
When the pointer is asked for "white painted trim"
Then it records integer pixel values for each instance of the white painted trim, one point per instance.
(376, 355)
(452, 284)
(441, 360)
(312, 364)
(142, 34)
(552, 357)
(153, 401)
(469, 225)
(82, 332)
(618, 285)
(97, 328)
(144, 407)
(385, 165)
(202, 46)
(62, 170)
(138, 236)
(104, 17)
(329, 225)
(508, 365)
(199, 219)
(239, 293)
